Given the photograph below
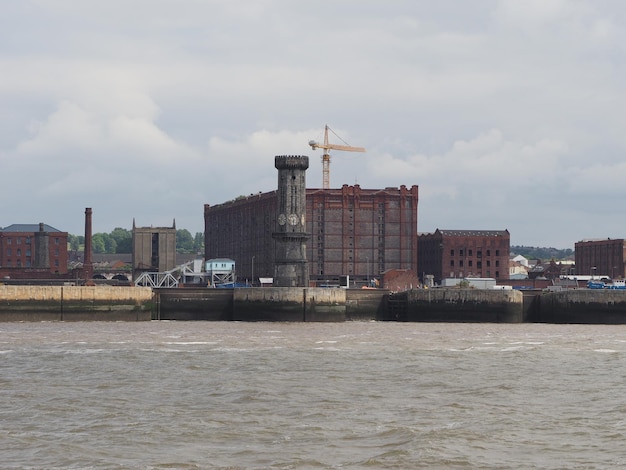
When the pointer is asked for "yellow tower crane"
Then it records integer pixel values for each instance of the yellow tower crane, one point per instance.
(326, 147)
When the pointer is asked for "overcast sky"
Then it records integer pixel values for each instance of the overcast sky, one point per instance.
(507, 114)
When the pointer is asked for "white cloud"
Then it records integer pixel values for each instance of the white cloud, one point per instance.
(502, 113)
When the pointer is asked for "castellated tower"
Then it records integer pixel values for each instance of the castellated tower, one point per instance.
(291, 267)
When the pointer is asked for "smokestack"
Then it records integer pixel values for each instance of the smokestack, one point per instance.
(87, 263)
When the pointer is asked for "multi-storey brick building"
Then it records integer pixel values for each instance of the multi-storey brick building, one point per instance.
(32, 251)
(464, 253)
(352, 231)
(606, 257)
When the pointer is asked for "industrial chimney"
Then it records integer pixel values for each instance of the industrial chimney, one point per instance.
(87, 263)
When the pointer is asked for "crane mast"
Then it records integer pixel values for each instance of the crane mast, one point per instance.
(326, 147)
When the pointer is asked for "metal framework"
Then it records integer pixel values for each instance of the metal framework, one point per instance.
(150, 279)
(164, 279)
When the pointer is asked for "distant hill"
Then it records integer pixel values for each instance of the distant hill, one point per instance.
(542, 253)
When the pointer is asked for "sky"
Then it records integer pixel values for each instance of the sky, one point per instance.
(507, 114)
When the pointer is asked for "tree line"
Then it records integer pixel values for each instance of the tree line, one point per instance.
(120, 240)
(542, 253)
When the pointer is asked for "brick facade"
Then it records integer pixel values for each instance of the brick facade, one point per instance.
(464, 253)
(607, 256)
(353, 231)
(30, 251)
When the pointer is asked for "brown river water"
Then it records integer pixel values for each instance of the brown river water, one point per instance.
(168, 395)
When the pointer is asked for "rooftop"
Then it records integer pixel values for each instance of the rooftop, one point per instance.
(28, 228)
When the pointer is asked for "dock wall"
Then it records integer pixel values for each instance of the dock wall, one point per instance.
(587, 306)
(289, 304)
(75, 303)
(462, 305)
(107, 303)
(193, 304)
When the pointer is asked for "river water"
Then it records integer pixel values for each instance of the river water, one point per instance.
(167, 395)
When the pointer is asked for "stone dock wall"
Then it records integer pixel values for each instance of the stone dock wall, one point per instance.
(106, 303)
(462, 305)
(271, 304)
(338, 305)
(587, 306)
(75, 303)
(193, 304)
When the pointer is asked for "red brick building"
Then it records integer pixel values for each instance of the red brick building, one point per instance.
(353, 231)
(32, 251)
(606, 257)
(464, 253)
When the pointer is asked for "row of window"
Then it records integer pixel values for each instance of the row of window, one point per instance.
(27, 252)
(27, 263)
(461, 274)
(479, 253)
(27, 240)
(479, 264)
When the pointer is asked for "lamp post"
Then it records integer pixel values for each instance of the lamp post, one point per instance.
(252, 270)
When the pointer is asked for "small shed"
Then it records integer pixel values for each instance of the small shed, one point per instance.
(220, 271)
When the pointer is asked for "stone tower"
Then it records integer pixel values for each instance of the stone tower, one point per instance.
(291, 267)
(42, 248)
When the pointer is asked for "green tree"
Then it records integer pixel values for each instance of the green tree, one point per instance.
(123, 240)
(198, 243)
(103, 243)
(75, 241)
(97, 243)
(110, 243)
(184, 241)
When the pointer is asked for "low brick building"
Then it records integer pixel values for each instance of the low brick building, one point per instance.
(464, 253)
(29, 251)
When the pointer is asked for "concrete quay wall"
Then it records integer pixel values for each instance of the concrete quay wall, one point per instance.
(109, 303)
(271, 304)
(75, 303)
(193, 304)
(311, 304)
(463, 305)
(586, 306)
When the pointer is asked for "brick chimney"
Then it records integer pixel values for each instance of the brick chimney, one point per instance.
(87, 263)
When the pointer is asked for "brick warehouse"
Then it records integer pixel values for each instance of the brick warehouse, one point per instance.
(464, 253)
(607, 256)
(30, 251)
(353, 231)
